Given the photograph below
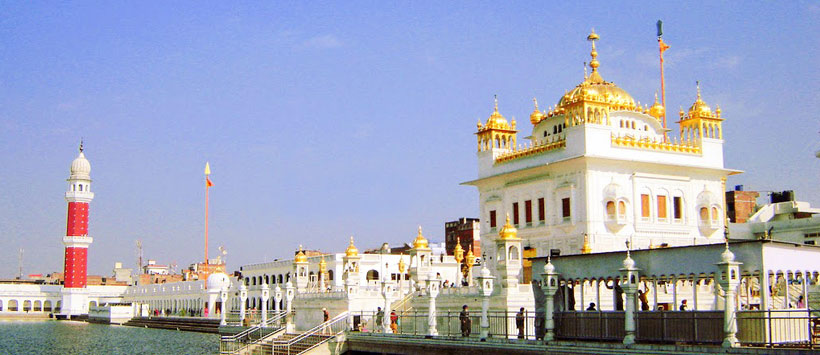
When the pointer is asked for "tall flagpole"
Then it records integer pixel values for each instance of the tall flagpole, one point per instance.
(207, 188)
(662, 47)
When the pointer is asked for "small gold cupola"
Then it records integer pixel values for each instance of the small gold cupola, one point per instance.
(536, 115)
(420, 242)
(508, 231)
(351, 249)
(700, 122)
(657, 110)
(497, 133)
(300, 256)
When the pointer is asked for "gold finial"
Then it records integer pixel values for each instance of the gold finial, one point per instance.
(697, 83)
(594, 77)
(420, 242)
(585, 71)
(657, 110)
(508, 231)
(586, 249)
(495, 98)
(536, 115)
(351, 249)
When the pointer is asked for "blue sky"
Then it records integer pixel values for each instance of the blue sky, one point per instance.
(323, 120)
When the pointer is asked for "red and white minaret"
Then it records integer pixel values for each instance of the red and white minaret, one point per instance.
(76, 240)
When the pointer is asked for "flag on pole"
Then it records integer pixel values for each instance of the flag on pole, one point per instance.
(208, 182)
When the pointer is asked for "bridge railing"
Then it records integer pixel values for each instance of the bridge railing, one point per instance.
(505, 325)
(313, 337)
(230, 344)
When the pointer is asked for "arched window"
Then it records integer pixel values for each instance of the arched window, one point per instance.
(330, 275)
(81, 187)
(622, 208)
(715, 214)
(610, 210)
(704, 214)
(372, 275)
(513, 255)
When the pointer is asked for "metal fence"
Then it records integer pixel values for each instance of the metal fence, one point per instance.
(503, 325)
(229, 344)
(781, 328)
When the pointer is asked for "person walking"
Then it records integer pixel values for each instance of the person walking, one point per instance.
(394, 322)
(325, 318)
(464, 319)
(591, 306)
(519, 322)
(379, 320)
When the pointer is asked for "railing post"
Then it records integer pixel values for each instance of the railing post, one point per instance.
(265, 298)
(289, 295)
(223, 296)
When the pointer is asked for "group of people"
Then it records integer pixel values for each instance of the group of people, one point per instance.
(394, 321)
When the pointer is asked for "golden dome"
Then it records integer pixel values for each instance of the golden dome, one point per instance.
(497, 121)
(508, 231)
(595, 89)
(351, 249)
(700, 108)
(536, 115)
(300, 256)
(657, 110)
(420, 242)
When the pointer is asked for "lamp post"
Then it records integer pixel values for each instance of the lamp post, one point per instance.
(277, 297)
(470, 259)
(289, 294)
(729, 280)
(458, 254)
(630, 285)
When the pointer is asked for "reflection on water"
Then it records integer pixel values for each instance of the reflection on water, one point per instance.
(67, 337)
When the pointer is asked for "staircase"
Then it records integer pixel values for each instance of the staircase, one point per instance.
(297, 347)
(201, 325)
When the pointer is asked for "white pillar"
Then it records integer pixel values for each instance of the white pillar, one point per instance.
(764, 290)
(486, 284)
(432, 291)
(805, 291)
(550, 287)
(223, 296)
(289, 294)
(243, 297)
(630, 286)
(265, 298)
(729, 280)
(387, 292)
(277, 297)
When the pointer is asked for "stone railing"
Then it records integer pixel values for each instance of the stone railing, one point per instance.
(530, 150)
(688, 147)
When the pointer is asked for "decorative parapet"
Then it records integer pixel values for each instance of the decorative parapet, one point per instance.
(538, 148)
(687, 147)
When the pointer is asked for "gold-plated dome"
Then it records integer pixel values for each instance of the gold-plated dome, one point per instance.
(595, 89)
(536, 115)
(420, 242)
(657, 110)
(300, 256)
(700, 108)
(458, 251)
(508, 231)
(351, 249)
(496, 120)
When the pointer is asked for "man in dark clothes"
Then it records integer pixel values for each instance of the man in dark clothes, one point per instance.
(466, 323)
(519, 322)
